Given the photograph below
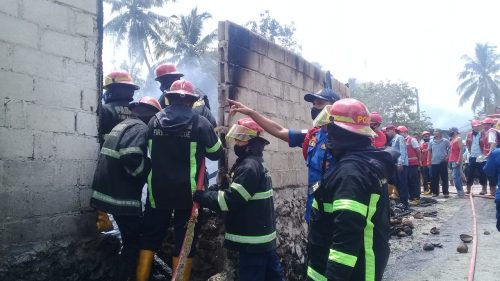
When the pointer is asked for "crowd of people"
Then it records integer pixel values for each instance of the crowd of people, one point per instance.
(350, 161)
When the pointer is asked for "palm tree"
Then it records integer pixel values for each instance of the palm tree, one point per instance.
(480, 79)
(136, 23)
(189, 47)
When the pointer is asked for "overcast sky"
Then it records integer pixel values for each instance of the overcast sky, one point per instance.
(419, 42)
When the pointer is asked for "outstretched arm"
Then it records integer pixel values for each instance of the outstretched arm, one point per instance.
(267, 124)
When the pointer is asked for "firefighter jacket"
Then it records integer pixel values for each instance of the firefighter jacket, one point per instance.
(349, 232)
(249, 207)
(122, 169)
(110, 114)
(178, 140)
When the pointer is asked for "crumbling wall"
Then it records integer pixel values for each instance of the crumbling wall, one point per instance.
(273, 81)
(48, 145)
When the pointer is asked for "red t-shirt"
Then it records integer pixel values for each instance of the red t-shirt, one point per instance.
(380, 140)
(454, 150)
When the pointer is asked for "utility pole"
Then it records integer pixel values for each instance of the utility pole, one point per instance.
(418, 104)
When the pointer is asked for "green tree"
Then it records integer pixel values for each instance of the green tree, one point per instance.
(274, 31)
(135, 22)
(480, 79)
(396, 102)
(189, 46)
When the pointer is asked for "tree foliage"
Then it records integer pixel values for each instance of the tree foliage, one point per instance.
(274, 31)
(480, 79)
(134, 22)
(187, 46)
(396, 102)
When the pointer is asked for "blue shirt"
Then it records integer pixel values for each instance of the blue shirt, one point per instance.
(399, 143)
(316, 150)
(492, 167)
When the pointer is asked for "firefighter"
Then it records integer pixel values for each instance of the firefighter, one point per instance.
(349, 232)
(313, 141)
(119, 93)
(414, 162)
(178, 140)
(375, 120)
(424, 150)
(248, 204)
(166, 74)
(121, 173)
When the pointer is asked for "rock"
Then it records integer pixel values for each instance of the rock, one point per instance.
(428, 247)
(435, 231)
(407, 222)
(394, 221)
(402, 234)
(418, 216)
(486, 232)
(462, 248)
(408, 230)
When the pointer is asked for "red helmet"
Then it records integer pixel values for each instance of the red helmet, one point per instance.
(119, 77)
(147, 101)
(475, 123)
(250, 124)
(375, 118)
(425, 133)
(166, 69)
(402, 129)
(183, 88)
(488, 120)
(352, 115)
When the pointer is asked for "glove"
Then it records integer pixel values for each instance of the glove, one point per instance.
(200, 196)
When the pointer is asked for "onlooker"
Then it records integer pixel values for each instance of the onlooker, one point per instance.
(475, 145)
(414, 160)
(492, 139)
(456, 158)
(399, 144)
(426, 164)
(438, 155)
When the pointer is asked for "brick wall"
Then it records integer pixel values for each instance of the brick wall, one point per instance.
(273, 81)
(48, 101)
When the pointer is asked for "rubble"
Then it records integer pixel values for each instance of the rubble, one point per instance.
(462, 248)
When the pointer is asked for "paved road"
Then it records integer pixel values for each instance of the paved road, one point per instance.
(446, 264)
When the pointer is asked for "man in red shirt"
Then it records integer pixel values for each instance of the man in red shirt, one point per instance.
(380, 140)
(456, 159)
(424, 150)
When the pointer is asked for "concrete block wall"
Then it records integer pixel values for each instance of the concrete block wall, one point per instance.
(48, 121)
(273, 81)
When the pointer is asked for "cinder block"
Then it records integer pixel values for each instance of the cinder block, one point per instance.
(90, 51)
(3, 116)
(85, 24)
(89, 100)
(258, 44)
(289, 178)
(15, 144)
(268, 67)
(76, 147)
(276, 178)
(237, 35)
(16, 86)
(268, 105)
(44, 145)
(10, 7)
(46, 13)
(284, 73)
(84, 197)
(87, 169)
(63, 45)
(86, 124)
(31, 61)
(15, 114)
(28, 173)
(44, 201)
(58, 94)
(67, 172)
(50, 119)
(88, 6)
(18, 31)
(276, 53)
(82, 74)
(5, 56)
(283, 109)
(275, 88)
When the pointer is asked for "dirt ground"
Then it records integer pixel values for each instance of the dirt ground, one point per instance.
(408, 261)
